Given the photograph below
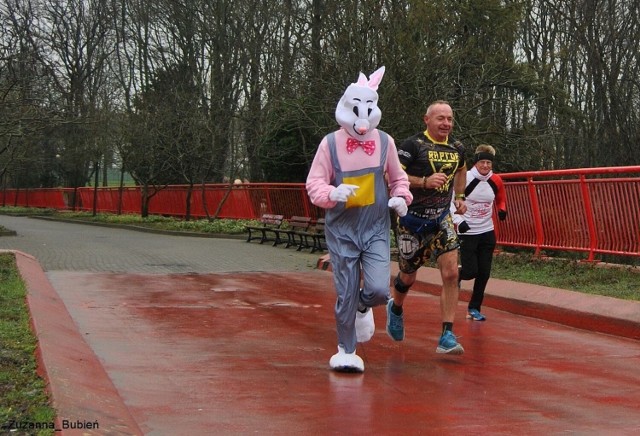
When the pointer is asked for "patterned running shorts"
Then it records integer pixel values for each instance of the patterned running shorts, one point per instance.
(417, 249)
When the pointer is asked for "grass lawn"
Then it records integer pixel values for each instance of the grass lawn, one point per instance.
(616, 281)
(23, 401)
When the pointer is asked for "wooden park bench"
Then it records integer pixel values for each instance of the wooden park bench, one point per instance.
(313, 237)
(269, 223)
(295, 226)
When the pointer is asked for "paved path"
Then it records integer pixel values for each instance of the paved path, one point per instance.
(163, 335)
(76, 247)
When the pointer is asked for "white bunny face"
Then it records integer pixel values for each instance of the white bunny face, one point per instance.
(357, 111)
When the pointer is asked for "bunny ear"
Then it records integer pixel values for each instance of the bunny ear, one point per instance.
(362, 80)
(376, 78)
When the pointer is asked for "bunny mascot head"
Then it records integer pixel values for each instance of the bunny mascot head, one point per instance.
(357, 111)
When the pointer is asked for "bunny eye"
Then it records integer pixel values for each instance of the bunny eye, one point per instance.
(355, 111)
(369, 111)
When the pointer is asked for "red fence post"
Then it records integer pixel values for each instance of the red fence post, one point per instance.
(588, 210)
(537, 217)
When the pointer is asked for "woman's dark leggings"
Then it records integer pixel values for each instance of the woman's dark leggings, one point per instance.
(476, 255)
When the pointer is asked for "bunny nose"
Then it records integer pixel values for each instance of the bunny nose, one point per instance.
(361, 126)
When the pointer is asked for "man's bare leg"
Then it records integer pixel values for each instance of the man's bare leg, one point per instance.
(448, 265)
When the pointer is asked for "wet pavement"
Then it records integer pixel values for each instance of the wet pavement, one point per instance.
(163, 335)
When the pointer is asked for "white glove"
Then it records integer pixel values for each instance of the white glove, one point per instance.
(399, 205)
(342, 192)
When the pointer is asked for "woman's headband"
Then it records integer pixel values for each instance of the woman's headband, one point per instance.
(483, 155)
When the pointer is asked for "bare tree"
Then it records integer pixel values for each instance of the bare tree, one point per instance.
(206, 91)
(27, 157)
(588, 51)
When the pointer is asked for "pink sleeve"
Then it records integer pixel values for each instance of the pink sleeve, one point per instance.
(398, 179)
(320, 176)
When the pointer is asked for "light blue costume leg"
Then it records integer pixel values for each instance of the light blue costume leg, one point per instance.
(376, 267)
(346, 277)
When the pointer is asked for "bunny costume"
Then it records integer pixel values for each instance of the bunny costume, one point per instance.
(347, 178)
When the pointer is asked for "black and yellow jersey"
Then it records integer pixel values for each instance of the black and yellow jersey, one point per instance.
(422, 157)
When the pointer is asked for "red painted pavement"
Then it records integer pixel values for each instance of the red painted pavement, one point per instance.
(248, 353)
(80, 388)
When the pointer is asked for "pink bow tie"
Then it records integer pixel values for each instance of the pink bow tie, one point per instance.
(367, 146)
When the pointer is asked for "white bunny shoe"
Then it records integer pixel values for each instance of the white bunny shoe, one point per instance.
(365, 325)
(346, 362)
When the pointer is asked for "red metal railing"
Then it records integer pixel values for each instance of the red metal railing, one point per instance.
(592, 210)
(245, 201)
(51, 198)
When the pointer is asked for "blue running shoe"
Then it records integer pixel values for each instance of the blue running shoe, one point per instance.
(475, 315)
(448, 344)
(395, 323)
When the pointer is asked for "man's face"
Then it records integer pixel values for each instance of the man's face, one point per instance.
(439, 121)
(484, 166)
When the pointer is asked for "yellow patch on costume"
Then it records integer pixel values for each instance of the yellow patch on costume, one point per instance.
(365, 195)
